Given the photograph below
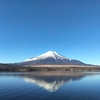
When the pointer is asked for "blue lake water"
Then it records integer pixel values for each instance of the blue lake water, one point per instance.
(49, 86)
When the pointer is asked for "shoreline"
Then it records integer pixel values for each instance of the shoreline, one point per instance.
(48, 68)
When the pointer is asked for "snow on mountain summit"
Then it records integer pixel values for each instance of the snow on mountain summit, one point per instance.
(51, 57)
(49, 54)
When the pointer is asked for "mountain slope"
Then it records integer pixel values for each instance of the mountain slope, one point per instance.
(51, 57)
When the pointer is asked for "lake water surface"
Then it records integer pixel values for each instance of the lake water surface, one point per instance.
(49, 86)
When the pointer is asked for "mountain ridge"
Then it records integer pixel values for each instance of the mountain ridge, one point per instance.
(49, 54)
(51, 57)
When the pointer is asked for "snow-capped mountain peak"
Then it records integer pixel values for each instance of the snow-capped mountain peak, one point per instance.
(49, 54)
(49, 58)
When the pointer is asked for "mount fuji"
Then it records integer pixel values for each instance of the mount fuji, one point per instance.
(51, 57)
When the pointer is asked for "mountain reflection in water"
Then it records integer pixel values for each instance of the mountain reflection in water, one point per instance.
(52, 81)
(49, 86)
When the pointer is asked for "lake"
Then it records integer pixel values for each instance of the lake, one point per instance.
(49, 86)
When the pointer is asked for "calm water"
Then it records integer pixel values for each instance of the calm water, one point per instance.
(49, 86)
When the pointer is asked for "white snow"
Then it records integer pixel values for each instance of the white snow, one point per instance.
(49, 54)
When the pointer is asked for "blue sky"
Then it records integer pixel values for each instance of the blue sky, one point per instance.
(29, 28)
